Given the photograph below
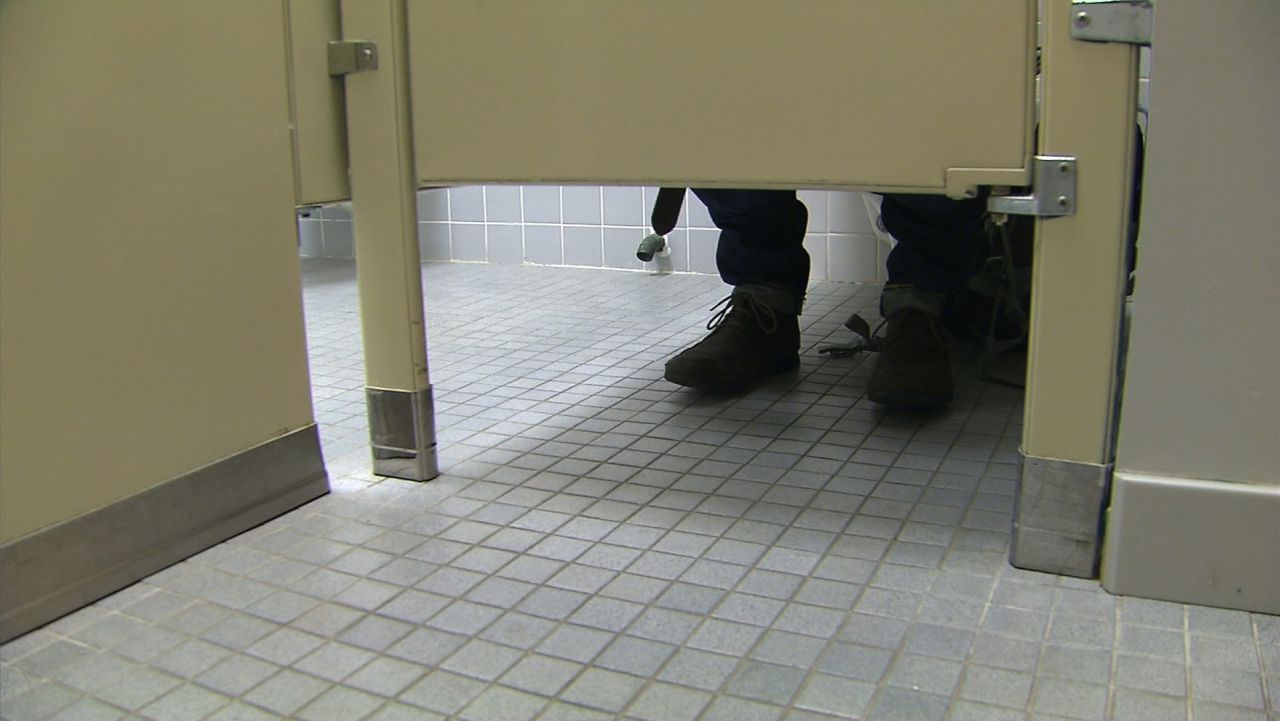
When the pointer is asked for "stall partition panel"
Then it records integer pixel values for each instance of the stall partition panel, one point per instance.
(930, 96)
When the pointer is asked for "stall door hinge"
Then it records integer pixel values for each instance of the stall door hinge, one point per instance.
(1112, 21)
(352, 56)
(1053, 190)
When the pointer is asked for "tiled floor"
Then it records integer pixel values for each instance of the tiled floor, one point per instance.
(605, 545)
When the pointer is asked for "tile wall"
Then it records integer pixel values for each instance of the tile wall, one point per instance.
(598, 227)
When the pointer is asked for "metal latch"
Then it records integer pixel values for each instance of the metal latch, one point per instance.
(352, 56)
(1112, 21)
(1053, 184)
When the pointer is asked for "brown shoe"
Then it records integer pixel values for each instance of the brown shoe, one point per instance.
(755, 334)
(914, 367)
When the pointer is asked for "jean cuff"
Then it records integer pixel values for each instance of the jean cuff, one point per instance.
(896, 298)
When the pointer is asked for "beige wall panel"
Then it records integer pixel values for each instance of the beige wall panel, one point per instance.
(873, 93)
(1202, 392)
(1194, 541)
(388, 268)
(386, 230)
(320, 129)
(150, 303)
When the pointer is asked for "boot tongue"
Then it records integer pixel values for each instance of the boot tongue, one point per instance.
(780, 300)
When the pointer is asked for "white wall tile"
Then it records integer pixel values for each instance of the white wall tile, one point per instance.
(467, 241)
(336, 211)
(310, 238)
(433, 241)
(624, 206)
(582, 246)
(884, 245)
(852, 258)
(541, 203)
(816, 245)
(696, 210)
(505, 243)
(603, 226)
(433, 205)
(816, 201)
(848, 213)
(702, 250)
(542, 244)
(620, 248)
(502, 204)
(466, 203)
(871, 206)
(581, 204)
(339, 238)
(678, 261)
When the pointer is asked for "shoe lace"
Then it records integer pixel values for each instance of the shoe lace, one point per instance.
(730, 312)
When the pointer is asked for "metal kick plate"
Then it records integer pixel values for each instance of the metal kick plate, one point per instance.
(1057, 525)
(402, 433)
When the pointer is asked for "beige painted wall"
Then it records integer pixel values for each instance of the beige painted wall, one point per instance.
(150, 301)
(1202, 394)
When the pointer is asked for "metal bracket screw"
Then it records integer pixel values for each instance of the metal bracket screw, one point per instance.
(352, 56)
(1113, 21)
(1053, 193)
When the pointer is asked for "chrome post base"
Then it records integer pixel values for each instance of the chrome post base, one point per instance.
(1058, 515)
(402, 432)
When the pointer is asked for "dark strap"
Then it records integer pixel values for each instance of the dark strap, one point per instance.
(666, 210)
(860, 327)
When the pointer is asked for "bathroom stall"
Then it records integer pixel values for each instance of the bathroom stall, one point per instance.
(153, 384)
(1033, 100)
(768, 94)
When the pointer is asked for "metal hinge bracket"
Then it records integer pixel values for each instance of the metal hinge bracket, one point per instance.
(1053, 190)
(352, 56)
(1112, 21)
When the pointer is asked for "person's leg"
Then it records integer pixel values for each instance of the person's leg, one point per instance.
(761, 237)
(761, 253)
(941, 244)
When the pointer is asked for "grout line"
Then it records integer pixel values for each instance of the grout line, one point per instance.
(1186, 659)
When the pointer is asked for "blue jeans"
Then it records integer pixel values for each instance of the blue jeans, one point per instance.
(941, 241)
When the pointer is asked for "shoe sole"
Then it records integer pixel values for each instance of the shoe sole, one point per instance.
(688, 381)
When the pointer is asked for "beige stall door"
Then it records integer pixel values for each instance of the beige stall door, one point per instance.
(927, 95)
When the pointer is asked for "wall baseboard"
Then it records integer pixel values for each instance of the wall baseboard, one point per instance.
(64, 567)
(1193, 541)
